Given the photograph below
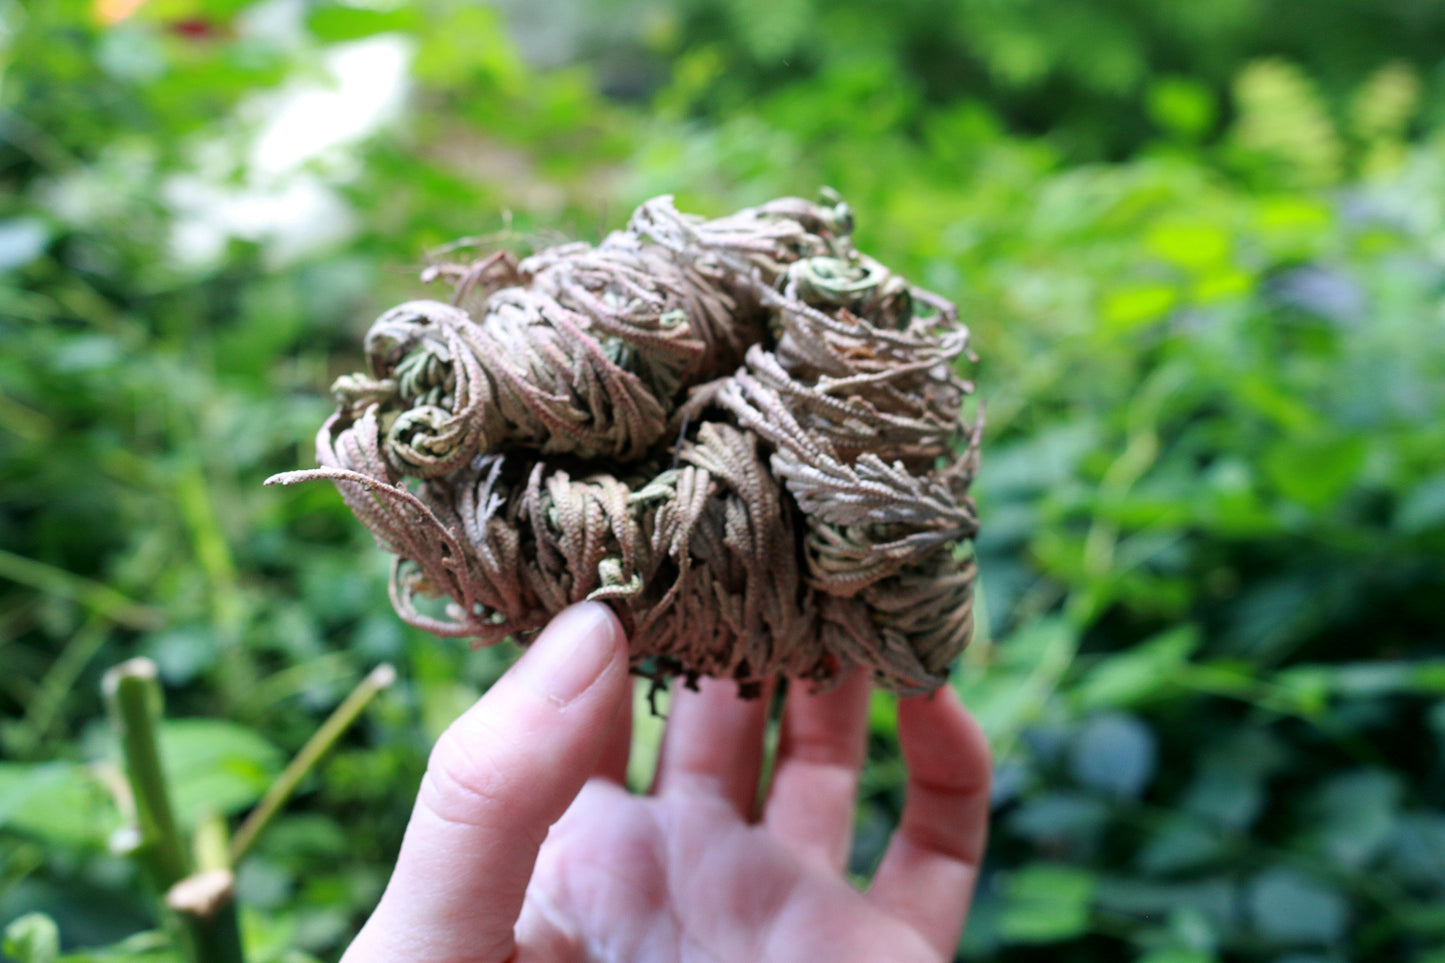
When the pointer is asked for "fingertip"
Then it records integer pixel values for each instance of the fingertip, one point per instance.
(940, 736)
(583, 644)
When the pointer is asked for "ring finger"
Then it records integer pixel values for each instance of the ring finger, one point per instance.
(815, 783)
(714, 744)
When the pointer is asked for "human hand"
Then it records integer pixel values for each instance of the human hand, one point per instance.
(525, 844)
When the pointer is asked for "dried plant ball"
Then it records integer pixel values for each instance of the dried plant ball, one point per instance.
(742, 434)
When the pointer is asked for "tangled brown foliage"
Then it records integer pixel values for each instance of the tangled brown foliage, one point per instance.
(742, 434)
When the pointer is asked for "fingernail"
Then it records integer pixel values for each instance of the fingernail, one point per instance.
(571, 652)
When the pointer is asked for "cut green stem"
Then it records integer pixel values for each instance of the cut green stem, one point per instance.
(201, 907)
(134, 697)
(205, 906)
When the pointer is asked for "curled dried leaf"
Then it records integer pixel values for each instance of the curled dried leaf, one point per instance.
(741, 434)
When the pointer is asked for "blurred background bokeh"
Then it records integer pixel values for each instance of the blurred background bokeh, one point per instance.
(1201, 248)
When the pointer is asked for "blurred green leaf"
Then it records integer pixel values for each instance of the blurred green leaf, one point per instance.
(1114, 754)
(1315, 471)
(1127, 308)
(215, 766)
(1228, 789)
(1061, 821)
(771, 28)
(1046, 903)
(1417, 850)
(1182, 843)
(341, 21)
(33, 938)
(1035, 660)
(59, 802)
(1423, 507)
(1284, 133)
(1194, 246)
(1291, 907)
(1140, 674)
(1178, 955)
(148, 947)
(1182, 106)
(1353, 815)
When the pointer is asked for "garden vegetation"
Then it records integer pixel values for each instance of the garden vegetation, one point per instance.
(1200, 249)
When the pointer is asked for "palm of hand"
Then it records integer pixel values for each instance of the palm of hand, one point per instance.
(525, 846)
(629, 878)
(681, 874)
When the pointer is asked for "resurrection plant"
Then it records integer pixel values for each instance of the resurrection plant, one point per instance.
(742, 434)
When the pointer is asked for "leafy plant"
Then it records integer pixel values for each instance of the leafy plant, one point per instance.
(1214, 372)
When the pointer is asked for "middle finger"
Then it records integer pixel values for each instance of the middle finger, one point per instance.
(714, 744)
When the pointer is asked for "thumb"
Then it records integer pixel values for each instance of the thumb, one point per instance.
(498, 778)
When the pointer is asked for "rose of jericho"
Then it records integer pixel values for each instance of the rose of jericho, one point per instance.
(742, 434)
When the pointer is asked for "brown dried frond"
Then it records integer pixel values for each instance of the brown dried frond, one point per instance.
(742, 434)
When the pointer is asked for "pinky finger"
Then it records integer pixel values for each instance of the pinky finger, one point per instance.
(926, 877)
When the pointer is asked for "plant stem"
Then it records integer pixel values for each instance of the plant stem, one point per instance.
(134, 697)
(210, 844)
(202, 906)
(205, 906)
(60, 678)
(316, 747)
(67, 585)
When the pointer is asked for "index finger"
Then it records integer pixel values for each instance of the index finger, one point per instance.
(498, 778)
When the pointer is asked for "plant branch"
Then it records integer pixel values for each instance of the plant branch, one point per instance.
(134, 697)
(202, 905)
(316, 747)
(205, 906)
(93, 595)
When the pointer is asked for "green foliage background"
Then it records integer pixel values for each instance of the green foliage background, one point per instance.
(1202, 251)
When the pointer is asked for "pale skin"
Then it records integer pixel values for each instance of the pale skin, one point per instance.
(525, 844)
